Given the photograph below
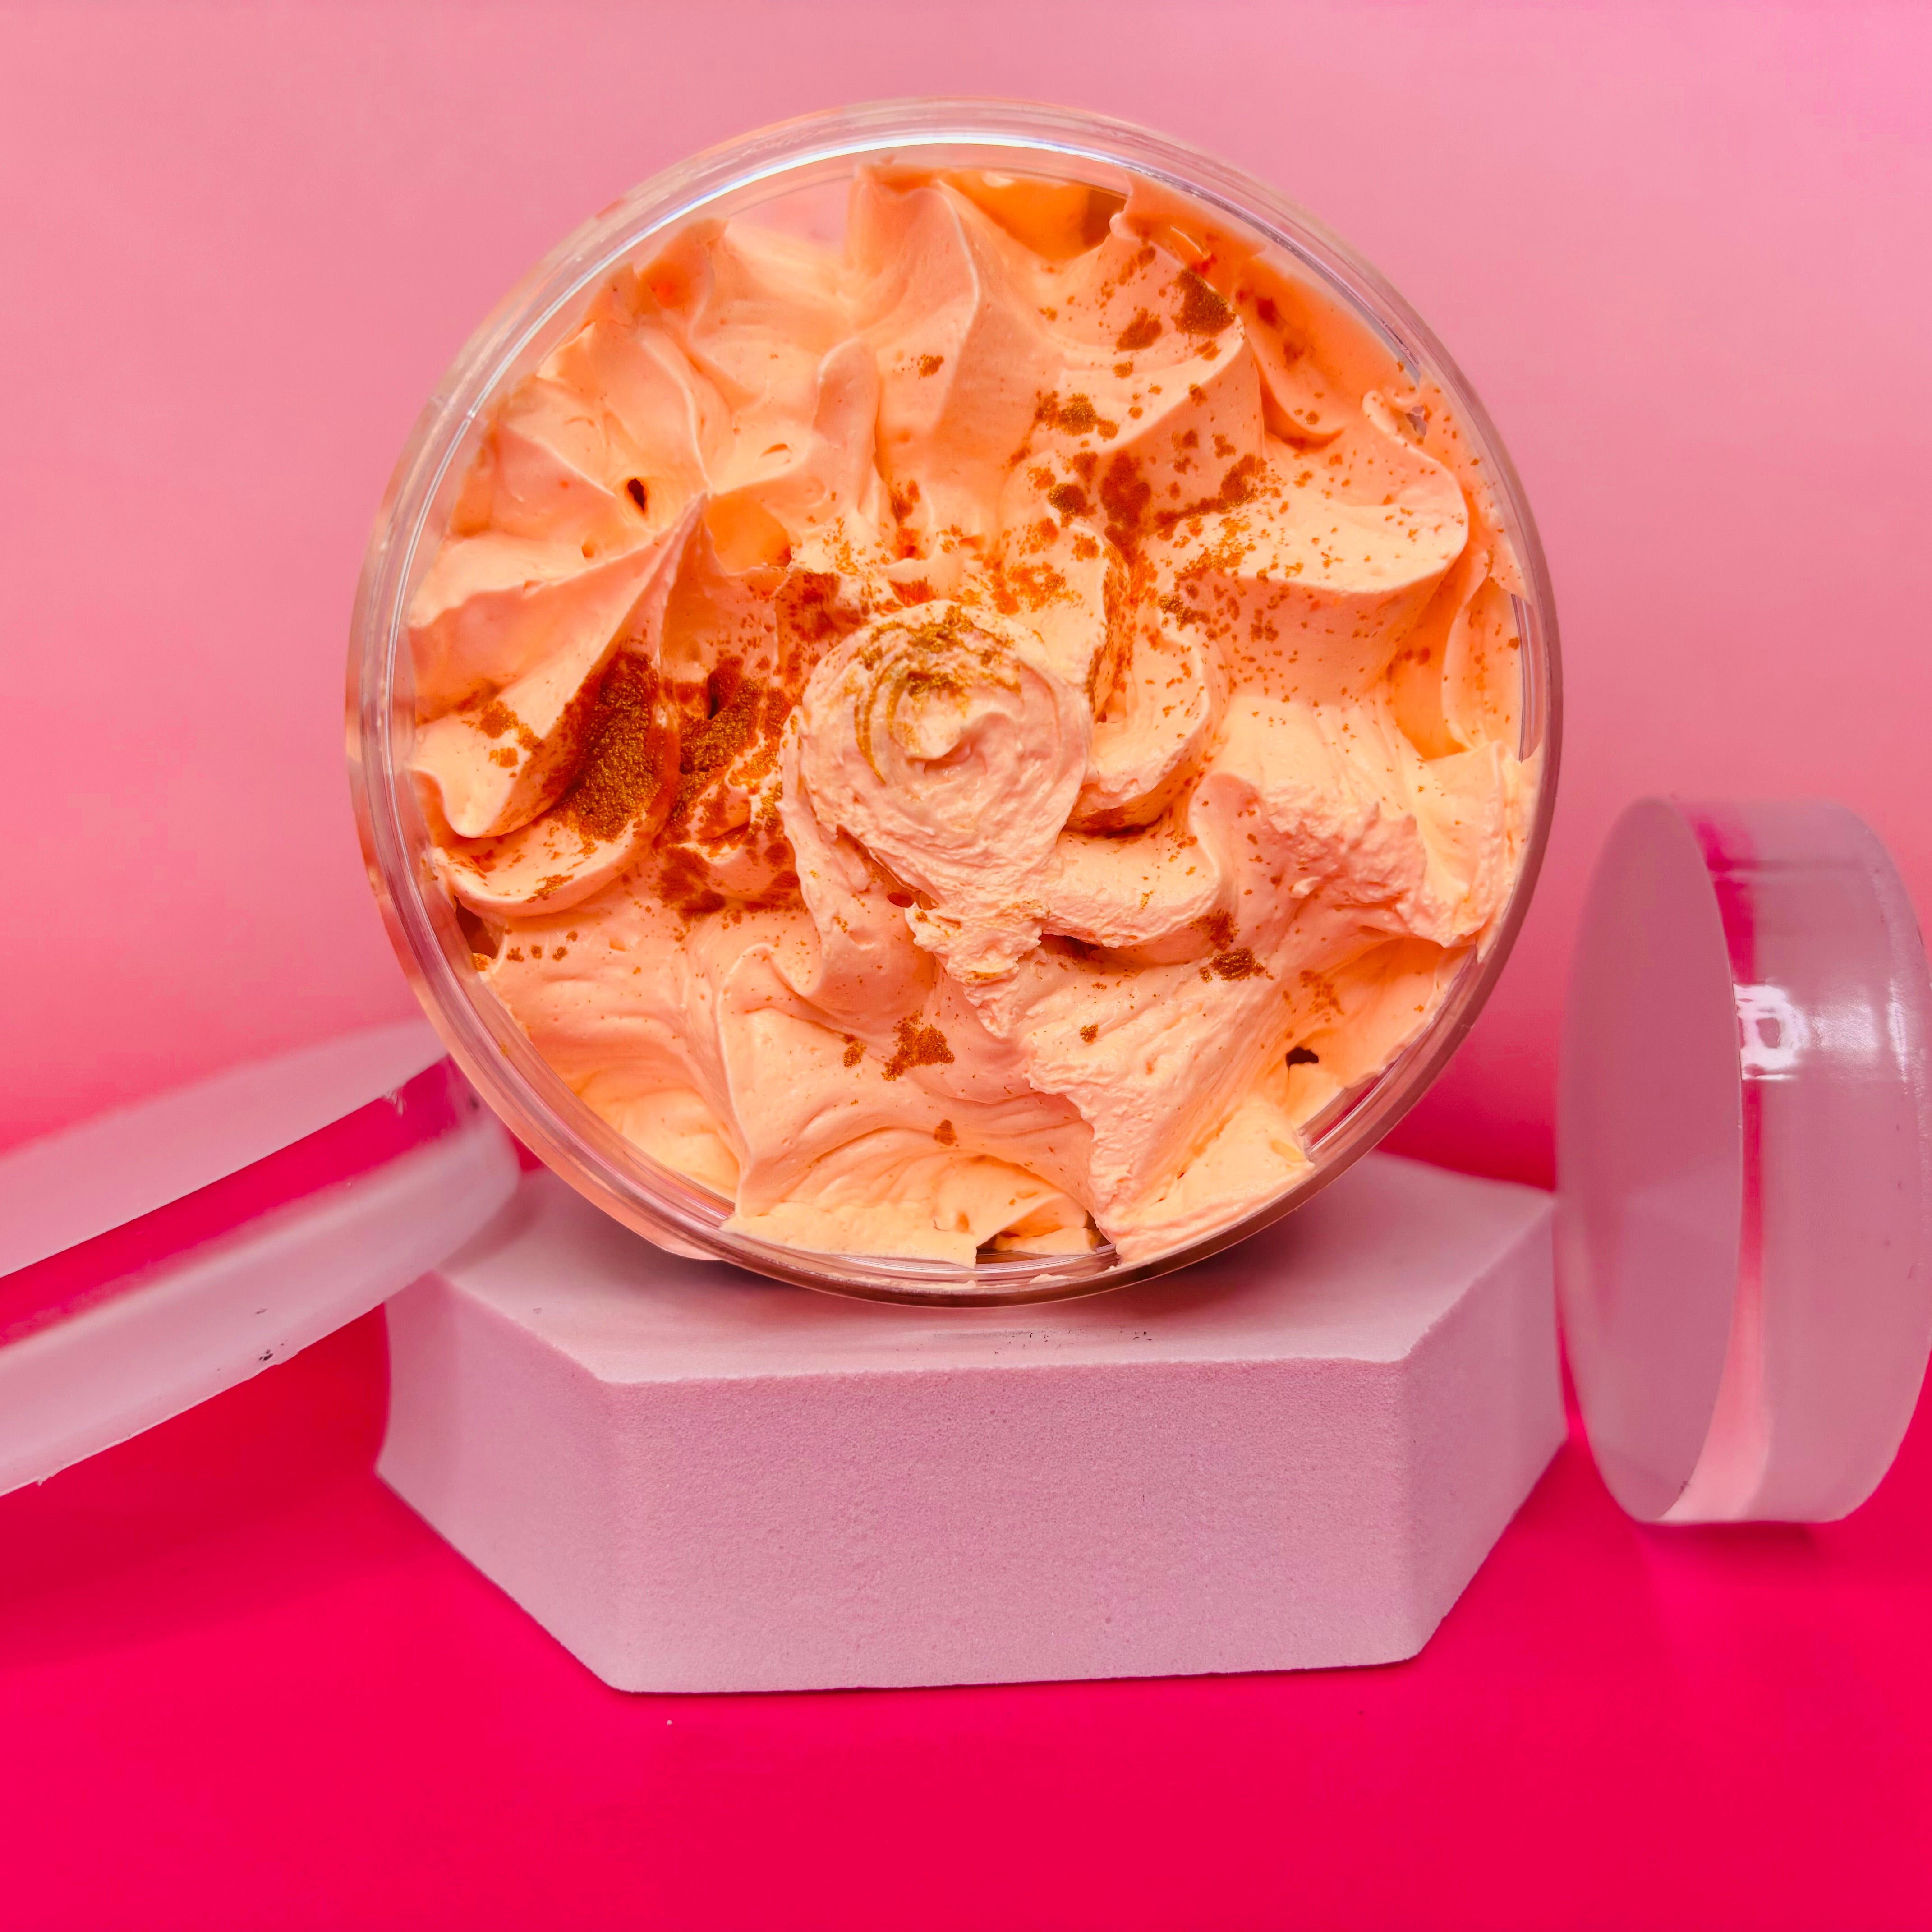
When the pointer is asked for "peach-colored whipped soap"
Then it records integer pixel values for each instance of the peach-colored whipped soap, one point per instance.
(970, 745)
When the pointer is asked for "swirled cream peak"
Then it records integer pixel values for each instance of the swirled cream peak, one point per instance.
(944, 743)
(972, 744)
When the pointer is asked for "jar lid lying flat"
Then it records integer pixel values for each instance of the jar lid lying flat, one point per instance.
(154, 1256)
(1744, 1162)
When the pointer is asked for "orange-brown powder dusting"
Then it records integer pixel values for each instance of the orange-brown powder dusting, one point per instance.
(1321, 991)
(1025, 586)
(926, 651)
(1126, 496)
(1076, 415)
(730, 750)
(1237, 962)
(626, 755)
(815, 609)
(1238, 486)
(746, 713)
(855, 1050)
(946, 1134)
(918, 1046)
(1141, 333)
(1201, 312)
(904, 500)
(494, 720)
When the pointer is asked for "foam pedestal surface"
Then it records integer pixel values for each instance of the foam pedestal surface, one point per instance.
(1293, 1456)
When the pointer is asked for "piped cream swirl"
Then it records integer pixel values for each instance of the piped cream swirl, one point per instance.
(944, 743)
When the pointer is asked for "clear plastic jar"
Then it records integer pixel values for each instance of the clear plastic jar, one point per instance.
(793, 161)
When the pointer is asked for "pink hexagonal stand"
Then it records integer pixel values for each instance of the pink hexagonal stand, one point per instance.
(1290, 1457)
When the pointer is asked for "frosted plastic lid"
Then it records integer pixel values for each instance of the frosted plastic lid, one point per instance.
(1744, 1162)
(154, 1256)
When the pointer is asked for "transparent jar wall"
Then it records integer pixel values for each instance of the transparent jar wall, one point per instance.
(795, 177)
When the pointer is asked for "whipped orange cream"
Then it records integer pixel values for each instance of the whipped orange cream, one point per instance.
(972, 745)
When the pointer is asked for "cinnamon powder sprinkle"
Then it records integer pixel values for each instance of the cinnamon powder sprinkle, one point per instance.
(1126, 496)
(1077, 415)
(746, 715)
(918, 1046)
(497, 718)
(1202, 312)
(622, 771)
(946, 1134)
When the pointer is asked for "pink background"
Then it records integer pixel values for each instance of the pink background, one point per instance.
(1681, 251)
